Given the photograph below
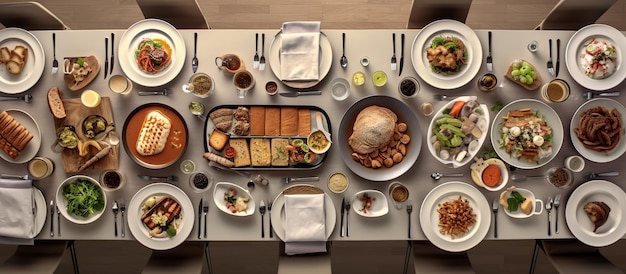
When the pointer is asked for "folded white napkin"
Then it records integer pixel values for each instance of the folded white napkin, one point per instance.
(17, 219)
(299, 51)
(305, 223)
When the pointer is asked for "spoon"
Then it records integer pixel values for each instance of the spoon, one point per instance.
(521, 178)
(437, 175)
(603, 174)
(590, 95)
(344, 59)
(26, 98)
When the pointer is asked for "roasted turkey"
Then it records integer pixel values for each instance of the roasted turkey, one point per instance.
(373, 129)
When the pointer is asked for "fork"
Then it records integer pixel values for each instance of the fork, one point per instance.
(115, 209)
(255, 64)
(557, 203)
(123, 209)
(164, 92)
(347, 207)
(393, 57)
(262, 60)
(55, 63)
(409, 209)
(262, 211)
(205, 210)
(10, 176)
(550, 66)
(494, 207)
(58, 221)
(269, 211)
(549, 209)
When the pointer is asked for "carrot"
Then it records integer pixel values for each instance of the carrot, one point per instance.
(456, 108)
(491, 175)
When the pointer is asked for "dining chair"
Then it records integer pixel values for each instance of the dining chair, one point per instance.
(42, 257)
(423, 12)
(29, 16)
(424, 257)
(182, 14)
(185, 258)
(572, 256)
(574, 14)
(315, 263)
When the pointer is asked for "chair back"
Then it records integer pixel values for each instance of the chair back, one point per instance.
(572, 256)
(29, 16)
(185, 258)
(424, 12)
(574, 14)
(43, 257)
(428, 258)
(182, 14)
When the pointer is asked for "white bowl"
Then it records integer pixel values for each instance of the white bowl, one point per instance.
(537, 205)
(61, 202)
(379, 203)
(218, 198)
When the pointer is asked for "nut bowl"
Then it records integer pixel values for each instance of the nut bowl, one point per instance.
(75, 188)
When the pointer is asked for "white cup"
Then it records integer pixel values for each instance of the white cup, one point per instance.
(340, 89)
(120, 84)
(575, 163)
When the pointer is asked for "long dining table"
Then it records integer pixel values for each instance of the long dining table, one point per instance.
(377, 46)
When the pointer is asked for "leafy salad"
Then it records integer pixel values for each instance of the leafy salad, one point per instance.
(83, 198)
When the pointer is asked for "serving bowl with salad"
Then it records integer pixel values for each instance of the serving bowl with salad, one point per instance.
(458, 131)
(80, 199)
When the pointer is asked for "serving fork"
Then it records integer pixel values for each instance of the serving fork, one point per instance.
(163, 92)
(262, 211)
(549, 209)
(557, 203)
(205, 210)
(269, 211)
(123, 209)
(115, 209)
(26, 98)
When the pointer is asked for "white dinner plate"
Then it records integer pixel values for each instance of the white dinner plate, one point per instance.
(548, 114)
(40, 210)
(218, 197)
(578, 221)
(326, 59)
(140, 231)
(151, 28)
(483, 120)
(445, 28)
(575, 47)
(589, 154)
(429, 217)
(32, 147)
(278, 215)
(33, 68)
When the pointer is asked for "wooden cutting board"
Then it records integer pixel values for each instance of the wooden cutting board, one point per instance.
(76, 112)
(95, 69)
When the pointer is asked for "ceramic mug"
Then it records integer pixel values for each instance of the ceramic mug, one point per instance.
(243, 81)
(229, 63)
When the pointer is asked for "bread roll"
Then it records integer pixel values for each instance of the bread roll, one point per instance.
(288, 121)
(257, 121)
(55, 103)
(304, 121)
(260, 153)
(272, 121)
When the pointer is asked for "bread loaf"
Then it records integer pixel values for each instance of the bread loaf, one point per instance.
(153, 134)
(222, 118)
(260, 153)
(288, 121)
(257, 121)
(13, 135)
(272, 121)
(218, 140)
(55, 103)
(280, 157)
(242, 152)
(304, 121)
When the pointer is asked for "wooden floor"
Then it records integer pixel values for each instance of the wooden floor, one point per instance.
(347, 257)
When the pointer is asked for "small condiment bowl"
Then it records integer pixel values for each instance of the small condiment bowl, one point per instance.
(197, 181)
(108, 177)
(537, 204)
(560, 177)
(319, 133)
(504, 174)
(379, 205)
(338, 182)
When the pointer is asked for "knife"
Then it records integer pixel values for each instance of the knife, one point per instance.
(52, 218)
(298, 93)
(343, 211)
(199, 217)
(106, 56)
(558, 56)
(401, 54)
(489, 59)
(112, 52)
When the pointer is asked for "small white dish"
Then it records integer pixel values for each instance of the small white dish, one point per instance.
(61, 202)
(537, 204)
(218, 197)
(504, 174)
(379, 206)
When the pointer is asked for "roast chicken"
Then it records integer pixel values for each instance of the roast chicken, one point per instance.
(598, 213)
(373, 129)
